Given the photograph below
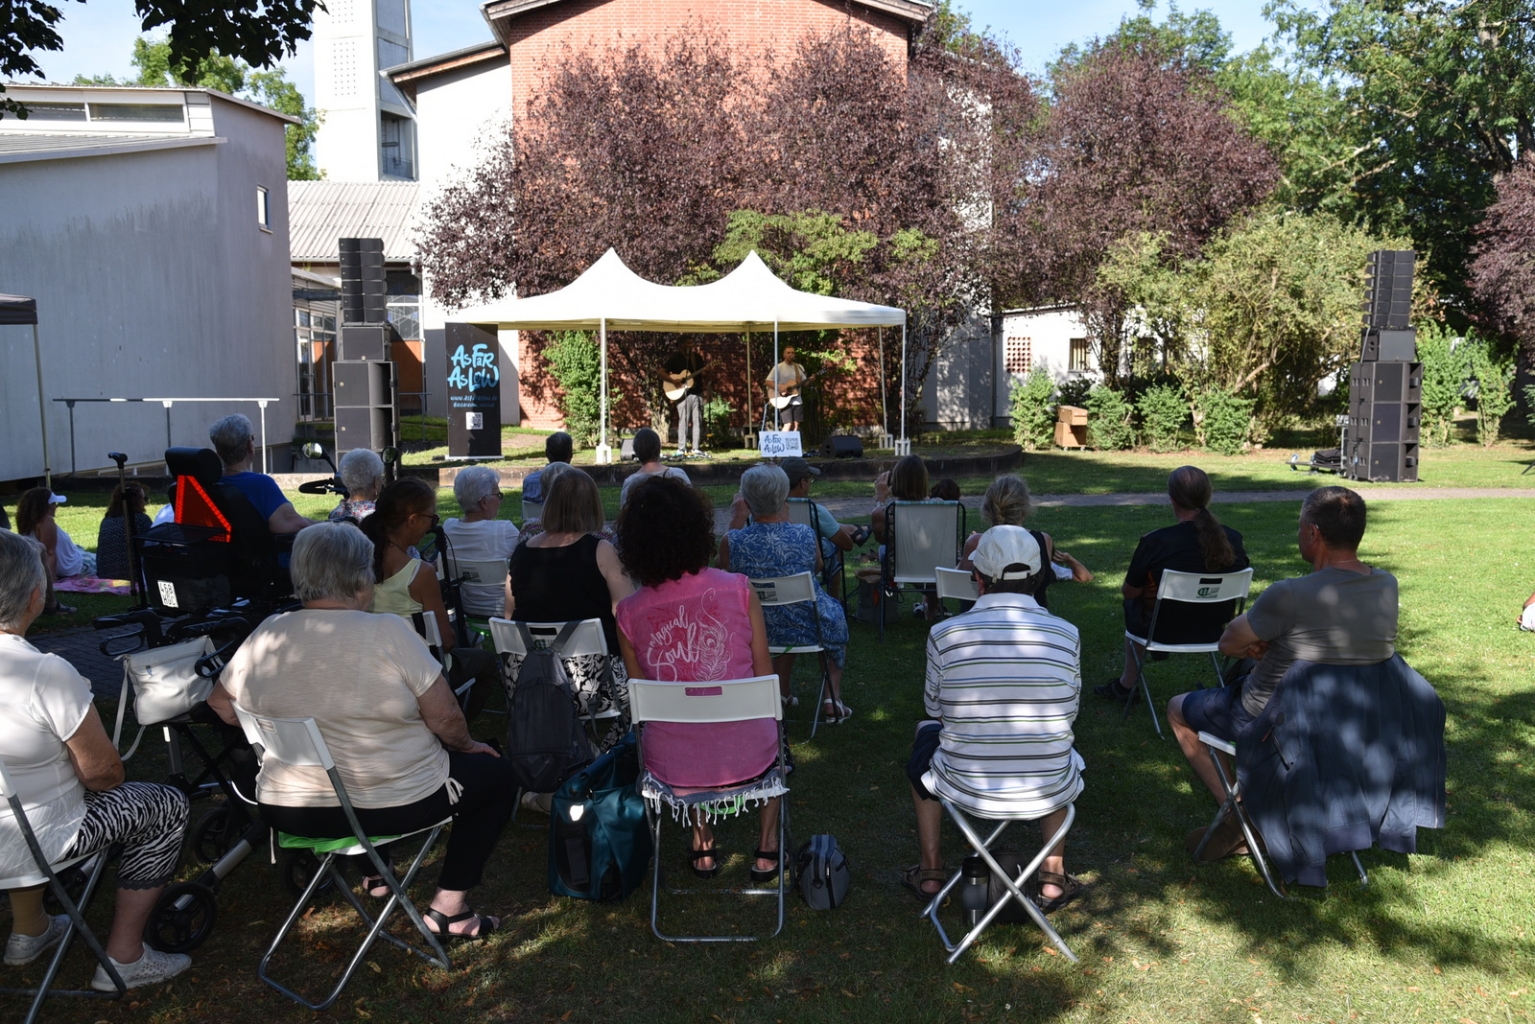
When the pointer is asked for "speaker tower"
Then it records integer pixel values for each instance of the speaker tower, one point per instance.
(1385, 393)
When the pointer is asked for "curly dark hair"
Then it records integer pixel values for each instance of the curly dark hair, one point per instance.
(665, 531)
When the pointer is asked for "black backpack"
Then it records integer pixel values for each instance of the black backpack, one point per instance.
(822, 872)
(545, 742)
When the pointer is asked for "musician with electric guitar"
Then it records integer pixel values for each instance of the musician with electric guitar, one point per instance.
(679, 380)
(784, 387)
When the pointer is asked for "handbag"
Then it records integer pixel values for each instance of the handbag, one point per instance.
(599, 839)
(165, 683)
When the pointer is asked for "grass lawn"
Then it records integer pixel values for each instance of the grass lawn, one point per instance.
(1443, 935)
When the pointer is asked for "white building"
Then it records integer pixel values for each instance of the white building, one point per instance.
(367, 132)
(151, 225)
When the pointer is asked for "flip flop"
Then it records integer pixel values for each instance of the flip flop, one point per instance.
(694, 856)
(442, 921)
(1071, 887)
(914, 877)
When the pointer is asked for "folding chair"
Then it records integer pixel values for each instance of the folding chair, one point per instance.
(728, 700)
(93, 864)
(923, 537)
(779, 591)
(480, 573)
(532, 510)
(297, 742)
(803, 511)
(956, 583)
(1014, 890)
(1184, 588)
(588, 639)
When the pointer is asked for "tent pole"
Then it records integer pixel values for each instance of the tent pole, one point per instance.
(905, 448)
(42, 408)
(604, 453)
(748, 382)
(776, 360)
(884, 408)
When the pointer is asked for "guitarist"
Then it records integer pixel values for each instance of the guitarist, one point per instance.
(786, 380)
(681, 371)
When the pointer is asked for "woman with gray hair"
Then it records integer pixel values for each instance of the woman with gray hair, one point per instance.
(70, 782)
(362, 474)
(1007, 503)
(480, 536)
(388, 716)
(773, 546)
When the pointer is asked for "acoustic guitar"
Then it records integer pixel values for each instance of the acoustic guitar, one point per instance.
(678, 390)
(791, 392)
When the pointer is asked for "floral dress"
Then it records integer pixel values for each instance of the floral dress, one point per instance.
(762, 550)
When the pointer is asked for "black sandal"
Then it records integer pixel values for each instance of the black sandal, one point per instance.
(442, 921)
(772, 872)
(694, 856)
(1071, 887)
(376, 887)
(916, 876)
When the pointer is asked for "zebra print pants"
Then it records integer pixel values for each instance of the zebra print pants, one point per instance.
(148, 819)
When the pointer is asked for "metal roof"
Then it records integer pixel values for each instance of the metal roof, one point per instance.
(320, 212)
(16, 147)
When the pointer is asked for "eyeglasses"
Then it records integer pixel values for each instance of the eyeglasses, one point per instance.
(433, 516)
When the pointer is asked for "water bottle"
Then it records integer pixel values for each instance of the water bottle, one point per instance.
(974, 889)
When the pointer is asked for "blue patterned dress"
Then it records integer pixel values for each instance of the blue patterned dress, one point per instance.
(783, 549)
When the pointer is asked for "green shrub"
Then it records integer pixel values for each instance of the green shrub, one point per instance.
(1227, 421)
(576, 365)
(1162, 411)
(1494, 377)
(1075, 391)
(1033, 417)
(717, 424)
(1108, 422)
(1444, 381)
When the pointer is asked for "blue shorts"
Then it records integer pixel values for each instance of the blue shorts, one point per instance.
(922, 750)
(1217, 710)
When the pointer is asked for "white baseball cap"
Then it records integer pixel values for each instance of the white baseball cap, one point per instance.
(1007, 553)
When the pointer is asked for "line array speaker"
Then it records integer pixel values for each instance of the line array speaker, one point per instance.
(1388, 290)
(362, 281)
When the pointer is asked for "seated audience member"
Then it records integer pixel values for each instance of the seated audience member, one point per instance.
(389, 717)
(836, 539)
(647, 448)
(559, 449)
(905, 481)
(566, 573)
(235, 441)
(773, 546)
(1342, 613)
(1003, 687)
(406, 510)
(946, 489)
(112, 539)
(552, 472)
(480, 536)
(70, 783)
(61, 556)
(1197, 542)
(690, 623)
(362, 474)
(1007, 503)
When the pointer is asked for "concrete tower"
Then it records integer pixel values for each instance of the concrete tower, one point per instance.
(368, 133)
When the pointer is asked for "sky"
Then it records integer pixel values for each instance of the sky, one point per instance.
(98, 36)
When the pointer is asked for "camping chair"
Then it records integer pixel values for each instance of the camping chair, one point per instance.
(728, 700)
(93, 864)
(1014, 885)
(297, 742)
(777, 592)
(1184, 588)
(956, 583)
(803, 511)
(923, 536)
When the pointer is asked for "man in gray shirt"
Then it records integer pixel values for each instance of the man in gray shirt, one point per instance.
(1342, 613)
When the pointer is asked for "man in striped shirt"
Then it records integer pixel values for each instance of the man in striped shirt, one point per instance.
(1003, 683)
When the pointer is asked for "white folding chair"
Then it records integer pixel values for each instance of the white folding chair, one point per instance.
(588, 639)
(803, 511)
(956, 583)
(486, 575)
(728, 700)
(92, 864)
(1014, 885)
(532, 510)
(1184, 588)
(923, 536)
(297, 742)
(778, 591)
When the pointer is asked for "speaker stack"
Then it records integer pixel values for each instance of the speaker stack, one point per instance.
(363, 375)
(1386, 385)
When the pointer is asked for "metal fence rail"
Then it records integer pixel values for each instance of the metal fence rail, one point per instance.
(168, 403)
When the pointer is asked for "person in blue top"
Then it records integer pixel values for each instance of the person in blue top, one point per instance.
(558, 447)
(235, 441)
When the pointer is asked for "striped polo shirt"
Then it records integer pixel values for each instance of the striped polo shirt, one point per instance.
(1005, 680)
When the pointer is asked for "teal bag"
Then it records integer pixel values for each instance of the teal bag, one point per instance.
(599, 840)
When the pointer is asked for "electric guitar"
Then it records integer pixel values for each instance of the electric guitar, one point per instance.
(789, 393)
(676, 391)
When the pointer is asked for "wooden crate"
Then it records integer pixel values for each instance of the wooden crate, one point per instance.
(1068, 435)
(1073, 415)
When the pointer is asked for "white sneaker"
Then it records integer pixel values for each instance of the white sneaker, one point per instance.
(23, 949)
(537, 802)
(150, 969)
(919, 610)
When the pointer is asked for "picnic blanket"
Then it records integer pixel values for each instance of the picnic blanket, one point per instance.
(91, 585)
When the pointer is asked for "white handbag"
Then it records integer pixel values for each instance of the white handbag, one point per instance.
(165, 684)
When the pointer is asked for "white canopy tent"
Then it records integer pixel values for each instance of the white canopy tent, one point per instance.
(610, 295)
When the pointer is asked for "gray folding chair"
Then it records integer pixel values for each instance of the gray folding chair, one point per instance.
(803, 511)
(923, 536)
(532, 510)
(297, 742)
(956, 583)
(1184, 588)
(728, 700)
(777, 592)
(1013, 885)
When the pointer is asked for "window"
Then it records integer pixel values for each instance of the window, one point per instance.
(263, 209)
(56, 111)
(160, 112)
(397, 144)
(314, 331)
(1018, 355)
(1081, 356)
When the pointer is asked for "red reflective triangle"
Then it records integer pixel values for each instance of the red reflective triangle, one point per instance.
(195, 508)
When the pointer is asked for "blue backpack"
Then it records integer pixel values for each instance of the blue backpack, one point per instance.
(599, 840)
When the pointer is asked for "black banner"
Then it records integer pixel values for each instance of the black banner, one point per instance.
(474, 391)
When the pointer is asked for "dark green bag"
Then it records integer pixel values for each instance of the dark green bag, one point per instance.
(599, 840)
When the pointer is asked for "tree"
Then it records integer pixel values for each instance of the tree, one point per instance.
(1503, 259)
(156, 67)
(259, 34)
(1444, 381)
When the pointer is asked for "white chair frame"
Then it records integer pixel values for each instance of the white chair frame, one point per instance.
(727, 700)
(93, 864)
(956, 583)
(481, 572)
(532, 510)
(803, 511)
(779, 591)
(1184, 588)
(922, 537)
(588, 639)
(1014, 885)
(298, 742)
